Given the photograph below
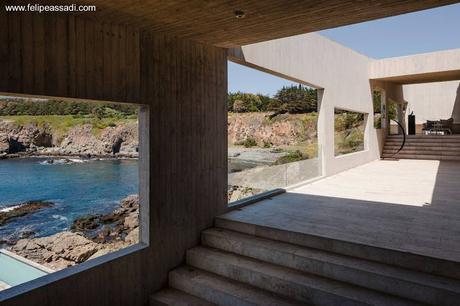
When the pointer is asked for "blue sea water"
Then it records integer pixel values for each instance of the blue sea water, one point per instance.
(76, 189)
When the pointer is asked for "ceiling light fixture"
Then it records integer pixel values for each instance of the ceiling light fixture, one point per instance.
(239, 14)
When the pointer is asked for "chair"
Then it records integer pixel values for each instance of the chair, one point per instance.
(442, 125)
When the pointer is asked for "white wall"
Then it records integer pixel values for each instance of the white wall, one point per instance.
(433, 101)
(342, 72)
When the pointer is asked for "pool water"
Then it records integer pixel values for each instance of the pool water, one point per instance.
(14, 272)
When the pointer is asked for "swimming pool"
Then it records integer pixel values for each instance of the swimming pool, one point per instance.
(15, 270)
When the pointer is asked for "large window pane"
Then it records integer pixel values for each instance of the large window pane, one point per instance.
(349, 131)
(69, 184)
(272, 138)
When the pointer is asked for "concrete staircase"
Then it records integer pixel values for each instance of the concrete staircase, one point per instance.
(423, 147)
(246, 264)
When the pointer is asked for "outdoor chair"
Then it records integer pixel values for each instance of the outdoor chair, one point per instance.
(441, 126)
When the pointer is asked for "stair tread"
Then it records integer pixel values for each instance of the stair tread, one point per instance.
(192, 279)
(312, 288)
(343, 244)
(414, 152)
(455, 136)
(287, 250)
(421, 156)
(422, 150)
(175, 297)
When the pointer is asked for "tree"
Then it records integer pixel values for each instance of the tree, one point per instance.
(297, 99)
(244, 102)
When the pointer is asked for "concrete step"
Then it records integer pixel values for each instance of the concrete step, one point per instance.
(450, 141)
(420, 156)
(288, 282)
(392, 257)
(454, 137)
(421, 152)
(222, 291)
(436, 148)
(404, 283)
(427, 139)
(424, 143)
(173, 297)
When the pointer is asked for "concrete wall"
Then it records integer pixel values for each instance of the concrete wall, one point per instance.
(342, 72)
(441, 64)
(184, 86)
(433, 101)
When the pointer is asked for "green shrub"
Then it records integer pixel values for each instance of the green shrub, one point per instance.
(250, 142)
(292, 156)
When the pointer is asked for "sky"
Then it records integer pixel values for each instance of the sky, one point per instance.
(419, 32)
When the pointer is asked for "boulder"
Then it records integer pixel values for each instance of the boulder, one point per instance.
(131, 221)
(59, 250)
(133, 236)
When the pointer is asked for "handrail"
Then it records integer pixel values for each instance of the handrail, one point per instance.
(404, 137)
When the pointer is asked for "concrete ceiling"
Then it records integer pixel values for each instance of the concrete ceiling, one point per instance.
(214, 21)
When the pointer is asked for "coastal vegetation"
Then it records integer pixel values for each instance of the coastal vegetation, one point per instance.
(14, 106)
(289, 99)
(61, 124)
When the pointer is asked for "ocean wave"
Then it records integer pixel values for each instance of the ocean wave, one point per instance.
(60, 217)
(62, 161)
(9, 208)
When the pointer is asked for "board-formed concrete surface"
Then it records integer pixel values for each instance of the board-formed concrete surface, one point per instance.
(407, 205)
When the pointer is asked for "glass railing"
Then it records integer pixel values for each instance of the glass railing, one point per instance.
(291, 168)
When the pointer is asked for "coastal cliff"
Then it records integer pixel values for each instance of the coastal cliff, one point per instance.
(281, 130)
(84, 139)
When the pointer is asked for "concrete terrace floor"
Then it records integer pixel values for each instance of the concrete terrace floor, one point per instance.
(406, 205)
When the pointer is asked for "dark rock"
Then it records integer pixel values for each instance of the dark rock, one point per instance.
(22, 210)
(116, 146)
(110, 218)
(114, 225)
(43, 139)
(15, 146)
(86, 223)
(26, 234)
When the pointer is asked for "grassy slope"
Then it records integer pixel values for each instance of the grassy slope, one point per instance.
(61, 124)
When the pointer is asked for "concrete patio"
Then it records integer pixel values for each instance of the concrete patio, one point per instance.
(407, 205)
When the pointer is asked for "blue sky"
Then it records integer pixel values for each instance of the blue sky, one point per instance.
(419, 32)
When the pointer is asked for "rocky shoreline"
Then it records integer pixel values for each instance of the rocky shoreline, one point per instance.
(66, 158)
(79, 141)
(89, 237)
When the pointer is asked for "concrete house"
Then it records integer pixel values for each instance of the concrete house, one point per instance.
(377, 227)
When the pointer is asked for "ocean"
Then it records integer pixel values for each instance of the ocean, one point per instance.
(76, 189)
